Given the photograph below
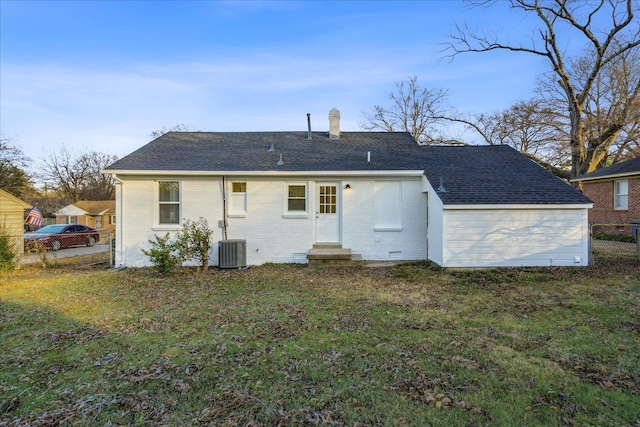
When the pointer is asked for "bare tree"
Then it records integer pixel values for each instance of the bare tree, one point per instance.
(612, 109)
(413, 109)
(177, 128)
(529, 127)
(77, 176)
(98, 186)
(13, 176)
(560, 20)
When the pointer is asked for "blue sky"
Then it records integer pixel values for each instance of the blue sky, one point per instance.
(102, 75)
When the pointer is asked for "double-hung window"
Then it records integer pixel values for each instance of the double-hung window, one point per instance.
(621, 195)
(169, 202)
(296, 198)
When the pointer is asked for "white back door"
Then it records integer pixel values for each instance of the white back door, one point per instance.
(327, 213)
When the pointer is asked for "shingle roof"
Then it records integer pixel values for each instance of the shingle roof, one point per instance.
(494, 174)
(248, 151)
(470, 174)
(628, 167)
(97, 207)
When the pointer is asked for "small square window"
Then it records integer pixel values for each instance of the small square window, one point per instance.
(238, 199)
(239, 187)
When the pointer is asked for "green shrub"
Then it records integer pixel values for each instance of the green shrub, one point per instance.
(194, 241)
(161, 254)
(7, 250)
(613, 237)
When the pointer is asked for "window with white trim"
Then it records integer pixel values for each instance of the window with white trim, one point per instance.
(621, 195)
(72, 219)
(296, 198)
(99, 221)
(238, 199)
(112, 219)
(168, 202)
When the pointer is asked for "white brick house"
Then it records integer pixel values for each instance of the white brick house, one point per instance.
(370, 192)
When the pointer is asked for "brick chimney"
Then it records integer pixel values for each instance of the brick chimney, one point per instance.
(334, 123)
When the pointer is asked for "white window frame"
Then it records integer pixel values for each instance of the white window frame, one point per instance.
(112, 219)
(168, 225)
(296, 213)
(72, 219)
(619, 196)
(99, 221)
(237, 200)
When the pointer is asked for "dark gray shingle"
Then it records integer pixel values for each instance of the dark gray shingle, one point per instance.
(247, 151)
(494, 174)
(631, 166)
(470, 174)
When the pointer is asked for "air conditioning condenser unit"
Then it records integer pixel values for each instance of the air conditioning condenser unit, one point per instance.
(232, 253)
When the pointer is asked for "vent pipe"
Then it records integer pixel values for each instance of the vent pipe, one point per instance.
(334, 123)
(368, 157)
(441, 189)
(309, 125)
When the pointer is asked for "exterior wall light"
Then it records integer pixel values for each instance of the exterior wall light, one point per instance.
(347, 187)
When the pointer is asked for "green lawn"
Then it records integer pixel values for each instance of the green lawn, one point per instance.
(285, 344)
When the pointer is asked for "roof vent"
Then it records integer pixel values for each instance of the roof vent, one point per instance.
(309, 125)
(271, 148)
(334, 123)
(280, 162)
(441, 189)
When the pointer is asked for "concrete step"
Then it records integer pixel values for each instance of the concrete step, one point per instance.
(327, 246)
(329, 254)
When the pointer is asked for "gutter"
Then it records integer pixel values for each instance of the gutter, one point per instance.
(119, 220)
(604, 177)
(383, 173)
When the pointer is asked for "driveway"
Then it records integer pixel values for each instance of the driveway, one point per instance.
(100, 247)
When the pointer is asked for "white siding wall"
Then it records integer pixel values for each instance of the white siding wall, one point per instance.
(271, 235)
(435, 233)
(515, 237)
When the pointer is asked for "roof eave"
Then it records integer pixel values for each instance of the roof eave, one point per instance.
(415, 173)
(486, 206)
(612, 176)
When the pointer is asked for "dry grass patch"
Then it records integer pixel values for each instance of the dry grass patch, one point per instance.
(285, 345)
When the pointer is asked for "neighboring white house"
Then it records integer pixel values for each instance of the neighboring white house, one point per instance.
(370, 192)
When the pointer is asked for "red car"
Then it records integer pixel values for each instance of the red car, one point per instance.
(60, 236)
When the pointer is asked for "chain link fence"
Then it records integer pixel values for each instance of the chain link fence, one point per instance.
(65, 249)
(615, 243)
(609, 243)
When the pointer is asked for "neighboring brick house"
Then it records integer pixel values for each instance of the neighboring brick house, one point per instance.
(615, 191)
(98, 214)
(378, 194)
